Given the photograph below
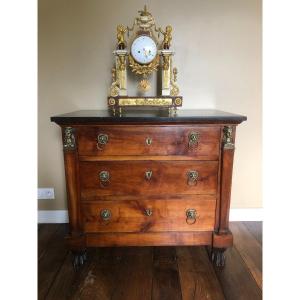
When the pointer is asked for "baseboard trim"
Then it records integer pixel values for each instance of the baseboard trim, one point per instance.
(236, 214)
(246, 214)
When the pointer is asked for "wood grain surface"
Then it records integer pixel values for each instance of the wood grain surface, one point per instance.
(129, 178)
(166, 215)
(131, 140)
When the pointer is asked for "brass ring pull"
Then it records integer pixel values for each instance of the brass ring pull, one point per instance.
(148, 141)
(105, 214)
(192, 177)
(102, 140)
(104, 178)
(148, 212)
(191, 215)
(148, 174)
(193, 139)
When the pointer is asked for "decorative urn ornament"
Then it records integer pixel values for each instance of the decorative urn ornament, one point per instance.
(143, 55)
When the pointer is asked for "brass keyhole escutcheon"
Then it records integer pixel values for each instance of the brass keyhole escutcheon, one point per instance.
(105, 214)
(148, 141)
(148, 174)
(191, 215)
(192, 177)
(102, 140)
(193, 139)
(148, 212)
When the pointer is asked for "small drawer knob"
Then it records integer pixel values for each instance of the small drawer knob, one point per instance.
(191, 215)
(102, 140)
(193, 139)
(192, 177)
(105, 214)
(148, 212)
(148, 174)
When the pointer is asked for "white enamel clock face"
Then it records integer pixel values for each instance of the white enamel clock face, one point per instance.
(143, 49)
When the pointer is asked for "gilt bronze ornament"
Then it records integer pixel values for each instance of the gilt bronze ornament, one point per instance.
(144, 52)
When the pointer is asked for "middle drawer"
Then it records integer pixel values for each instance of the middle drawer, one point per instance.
(147, 177)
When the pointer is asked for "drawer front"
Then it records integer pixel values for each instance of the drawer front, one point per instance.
(148, 177)
(192, 214)
(148, 140)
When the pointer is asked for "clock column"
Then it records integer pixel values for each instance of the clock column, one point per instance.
(166, 56)
(121, 70)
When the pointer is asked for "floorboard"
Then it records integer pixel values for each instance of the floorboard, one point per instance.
(166, 284)
(45, 233)
(99, 280)
(236, 281)
(66, 283)
(134, 276)
(197, 276)
(249, 249)
(151, 273)
(51, 261)
(256, 229)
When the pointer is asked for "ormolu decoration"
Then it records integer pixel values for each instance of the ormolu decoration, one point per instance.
(228, 138)
(104, 178)
(174, 86)
(193, 139)
(191, 215)
(167, 36)
(69, 138)
(144, 85)
(192, 177)
(119, 102)
(144, 52)
(115, 85)
(121, 30)
(102, 140)
(145, 101)
(105, 214)
(143, 69)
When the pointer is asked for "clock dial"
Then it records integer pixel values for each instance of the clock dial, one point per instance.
(143, 49)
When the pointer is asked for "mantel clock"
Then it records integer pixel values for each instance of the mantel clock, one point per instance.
(147, 49)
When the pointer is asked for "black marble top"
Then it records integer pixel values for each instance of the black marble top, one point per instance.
(149, 116)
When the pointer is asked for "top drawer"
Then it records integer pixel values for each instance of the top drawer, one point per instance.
(148, 140)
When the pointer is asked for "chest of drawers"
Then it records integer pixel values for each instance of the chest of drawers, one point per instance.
(148, 179)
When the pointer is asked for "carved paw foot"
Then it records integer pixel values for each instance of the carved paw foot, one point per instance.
(218, 257)
(79, 258)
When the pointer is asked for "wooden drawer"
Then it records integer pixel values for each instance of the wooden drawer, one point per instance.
(148, 140)
(163, 215)
(148, 177)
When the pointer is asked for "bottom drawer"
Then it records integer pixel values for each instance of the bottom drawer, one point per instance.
(191, 214)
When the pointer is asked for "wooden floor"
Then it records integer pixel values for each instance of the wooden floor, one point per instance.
(158, 273)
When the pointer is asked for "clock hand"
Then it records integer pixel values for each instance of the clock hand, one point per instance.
(147, 53)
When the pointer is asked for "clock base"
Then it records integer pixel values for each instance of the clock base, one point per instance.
(119, 102)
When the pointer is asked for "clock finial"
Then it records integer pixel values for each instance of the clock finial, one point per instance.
(144, 12)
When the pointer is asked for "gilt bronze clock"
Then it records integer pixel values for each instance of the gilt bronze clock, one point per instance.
(143, 53)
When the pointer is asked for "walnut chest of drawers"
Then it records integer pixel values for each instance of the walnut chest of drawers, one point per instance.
(148, 179)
